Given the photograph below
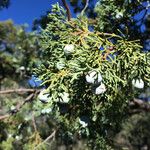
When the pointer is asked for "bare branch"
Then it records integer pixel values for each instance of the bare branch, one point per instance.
(18, 107)
(67, 9)
(34, 123)
(29, 98)
(17, 91)
(4, 116)
(138, 105)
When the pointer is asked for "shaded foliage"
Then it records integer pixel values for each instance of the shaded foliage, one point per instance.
(4, 4)
(135, 132)
(129, 17)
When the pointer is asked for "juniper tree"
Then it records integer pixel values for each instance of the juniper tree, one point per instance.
(90, 77)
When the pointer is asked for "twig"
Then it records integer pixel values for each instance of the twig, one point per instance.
(28, 99)
(108, 34)
(67, 9)
(85, 7)
(48, 138)
(17, 91)
(34, 123)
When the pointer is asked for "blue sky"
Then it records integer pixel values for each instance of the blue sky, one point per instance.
(25, 11)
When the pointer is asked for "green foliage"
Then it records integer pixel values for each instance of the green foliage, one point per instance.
(81, 51)
(18, 52)
(7, 144)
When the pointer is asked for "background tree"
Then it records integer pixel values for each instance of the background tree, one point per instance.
(134, 133)
(19, 53)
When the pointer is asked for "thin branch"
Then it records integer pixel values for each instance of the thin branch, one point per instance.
(108, 34)
(138, 105)
(48, 138)
(28, 99)
(85, 7)
(34, 123)
(17, 91)
(18, 107)
(67, 9)
(4, 116)
(143, 105)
